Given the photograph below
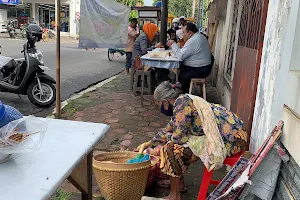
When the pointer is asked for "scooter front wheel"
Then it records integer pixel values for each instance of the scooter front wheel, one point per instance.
(12, 35)
(110, 55)
(41, 97)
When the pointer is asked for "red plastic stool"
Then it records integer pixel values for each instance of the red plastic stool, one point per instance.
(207, 176)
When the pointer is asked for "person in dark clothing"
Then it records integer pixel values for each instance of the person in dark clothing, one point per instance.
(172, 33)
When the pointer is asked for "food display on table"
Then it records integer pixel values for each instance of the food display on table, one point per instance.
(21, 136)
(157, 53)
(18, 137)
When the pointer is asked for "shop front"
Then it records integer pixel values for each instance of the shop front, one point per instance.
(41, 12)
(11, 10)
(47, 16)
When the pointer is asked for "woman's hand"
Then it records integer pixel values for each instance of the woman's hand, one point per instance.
(146, 146)
(170, 43)
(158, 45)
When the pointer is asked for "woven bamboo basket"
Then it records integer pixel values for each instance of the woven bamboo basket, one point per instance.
(118, 180)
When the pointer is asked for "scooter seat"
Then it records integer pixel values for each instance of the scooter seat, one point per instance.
(6, 61)
(7, 66)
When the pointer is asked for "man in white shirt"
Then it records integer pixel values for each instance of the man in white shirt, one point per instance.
(195, 54)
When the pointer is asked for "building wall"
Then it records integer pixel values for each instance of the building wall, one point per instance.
(65, 2)
(221, 47)
(273, 71)
(278, 94)
(74, 24)
(224, 79)
(3, 15)
(34, 12)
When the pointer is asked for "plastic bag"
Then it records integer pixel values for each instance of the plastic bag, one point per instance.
(22, 135)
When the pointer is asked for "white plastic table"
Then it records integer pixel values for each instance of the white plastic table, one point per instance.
(66, 152)
(169, 62)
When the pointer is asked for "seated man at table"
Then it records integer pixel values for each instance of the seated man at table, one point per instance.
(195, 54)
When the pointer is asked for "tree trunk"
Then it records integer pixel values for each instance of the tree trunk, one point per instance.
(193, 8)
(199, 17)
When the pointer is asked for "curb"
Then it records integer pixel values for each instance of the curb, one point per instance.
(80, 94)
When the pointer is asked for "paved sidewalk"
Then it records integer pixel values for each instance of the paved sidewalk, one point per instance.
(131, 124)
(63, 39)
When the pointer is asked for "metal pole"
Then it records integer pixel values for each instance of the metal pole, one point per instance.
(57, 21)
(164, 22)
(199, 13)
(202, 16)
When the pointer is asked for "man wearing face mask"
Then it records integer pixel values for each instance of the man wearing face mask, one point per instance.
(195, 54)
(172, 31)
(179, 32)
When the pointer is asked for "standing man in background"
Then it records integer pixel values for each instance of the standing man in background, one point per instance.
(133, 33)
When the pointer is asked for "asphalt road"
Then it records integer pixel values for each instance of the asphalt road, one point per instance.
(79, 70)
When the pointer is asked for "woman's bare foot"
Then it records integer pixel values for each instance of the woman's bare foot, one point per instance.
(171, 197)
(166, 184)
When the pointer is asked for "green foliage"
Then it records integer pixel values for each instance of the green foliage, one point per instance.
(133, 14)
(205, 17)
(130, 3)
(184, 8)
(179, 7)
(176, 7)
(154, 2)
(61, 195)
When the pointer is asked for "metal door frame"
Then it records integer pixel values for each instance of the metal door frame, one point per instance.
(261, 31)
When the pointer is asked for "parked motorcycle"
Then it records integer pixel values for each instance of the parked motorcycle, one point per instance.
(26, 76)
(23, 30)
(11, 30)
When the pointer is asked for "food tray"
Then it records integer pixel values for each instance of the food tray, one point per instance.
(158, 54)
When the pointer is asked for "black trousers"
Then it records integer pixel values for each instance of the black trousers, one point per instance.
(162, 74)
(187, 73)
(128, 59)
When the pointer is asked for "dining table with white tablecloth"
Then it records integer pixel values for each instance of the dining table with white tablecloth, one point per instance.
(169, 62)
